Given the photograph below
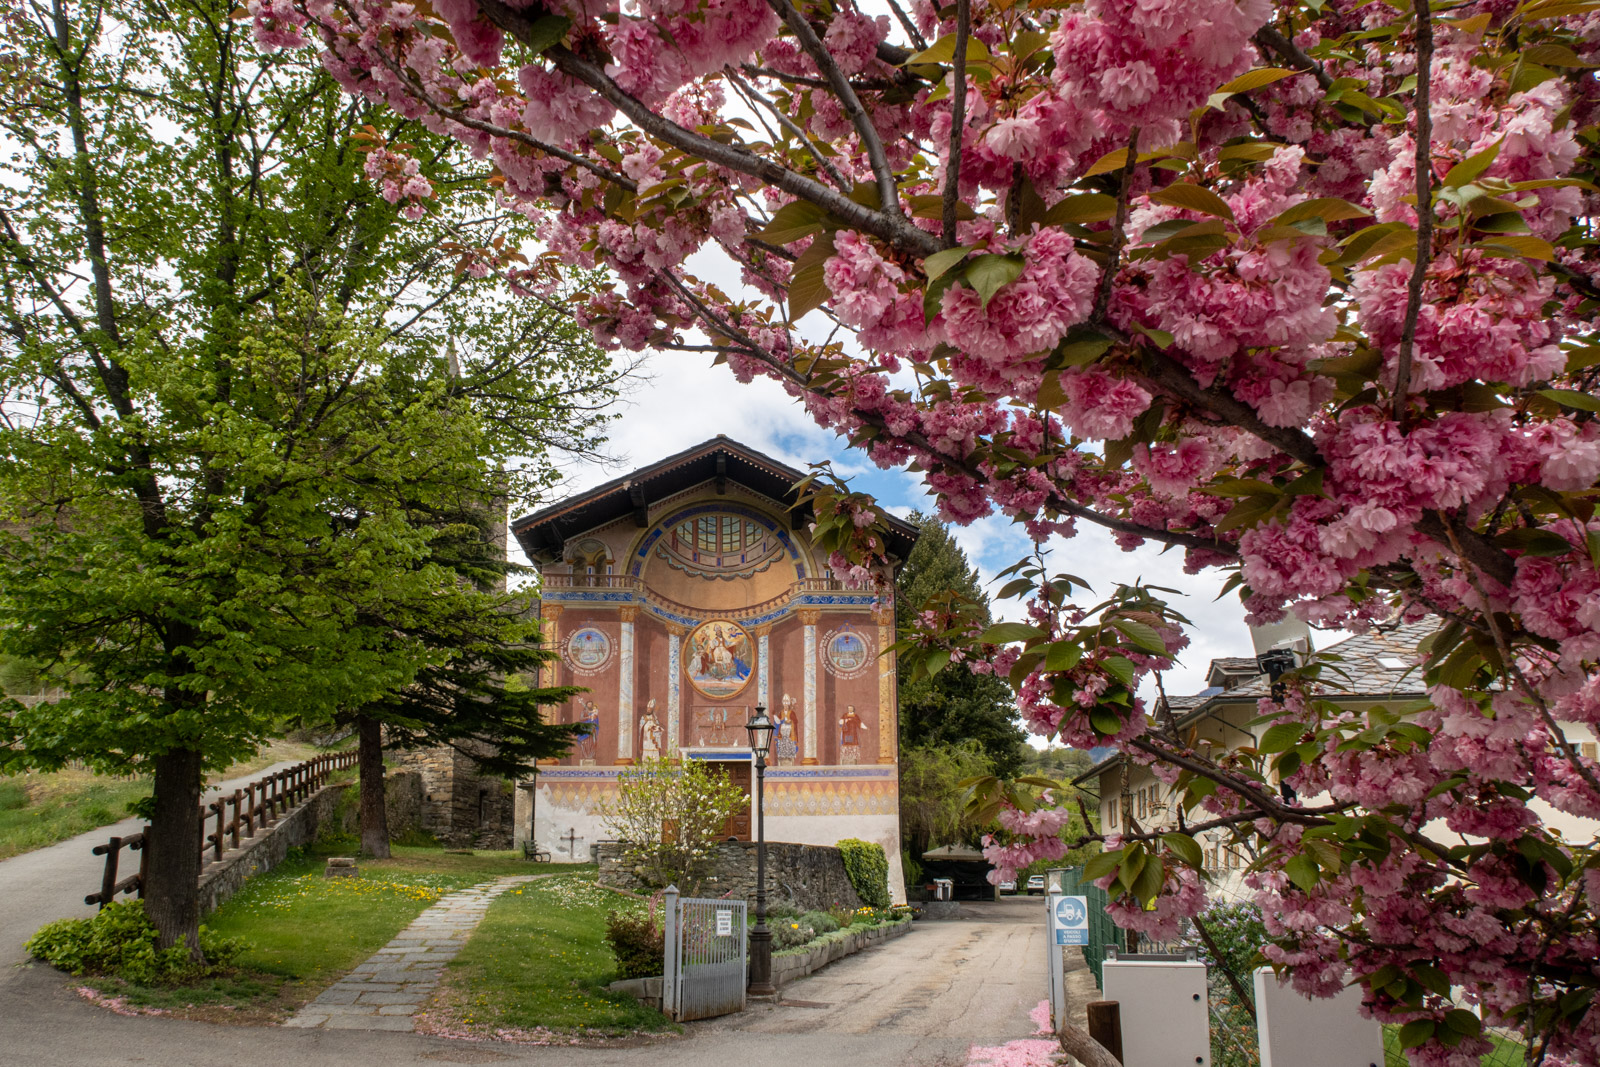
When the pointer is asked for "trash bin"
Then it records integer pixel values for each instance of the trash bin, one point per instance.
(943, 889)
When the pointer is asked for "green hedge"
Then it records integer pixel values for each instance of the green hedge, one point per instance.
(868, 868)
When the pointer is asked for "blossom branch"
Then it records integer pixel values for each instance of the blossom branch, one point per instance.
(871, 143)
(1269, 39)
(823, 162)
(958, 121)
(1424, 168)
(1119, 229)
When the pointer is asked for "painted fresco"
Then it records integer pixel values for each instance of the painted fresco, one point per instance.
(718, 658)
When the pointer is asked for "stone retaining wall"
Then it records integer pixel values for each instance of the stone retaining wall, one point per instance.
(792, 966)
(807, 876)
(257, 855)
(321, 814)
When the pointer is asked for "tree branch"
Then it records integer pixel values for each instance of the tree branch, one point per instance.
(1424, 168)
(958, 121)
(871, 143)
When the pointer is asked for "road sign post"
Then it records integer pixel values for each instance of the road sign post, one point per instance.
(1066, 923)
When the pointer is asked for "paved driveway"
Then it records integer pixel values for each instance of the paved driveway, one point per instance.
(918, 1001)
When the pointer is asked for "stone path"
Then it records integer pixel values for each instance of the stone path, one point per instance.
(387, 990)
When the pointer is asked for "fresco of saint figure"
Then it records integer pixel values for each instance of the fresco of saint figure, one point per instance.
(850, 736)
(650, 733)
(785, 738)
(590, 720)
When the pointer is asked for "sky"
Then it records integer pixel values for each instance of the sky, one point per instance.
(681, 400)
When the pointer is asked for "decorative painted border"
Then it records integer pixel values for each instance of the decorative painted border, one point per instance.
(641, 551)
(581, 669)
(867, 659)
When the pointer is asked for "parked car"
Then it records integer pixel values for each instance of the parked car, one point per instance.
(1008, 887)
(1035, 885)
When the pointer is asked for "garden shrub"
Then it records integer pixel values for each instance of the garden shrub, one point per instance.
(1239, 935)
(790, 933)
(820, 921)
(638, 943)
(782, 912)
(120, 942)
(868, 868)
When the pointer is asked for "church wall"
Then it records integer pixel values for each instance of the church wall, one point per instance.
(668, 593)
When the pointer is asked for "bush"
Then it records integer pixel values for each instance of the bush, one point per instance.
(821, 922)
(120, 942)
(1239, 935)
(638, 943)
(790, 933)
(868, 868)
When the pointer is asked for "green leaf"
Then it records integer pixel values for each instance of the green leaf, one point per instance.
(545, 32)
(1248, 512)
(1303, 872)
(1185, 848)
(1143, 635)
(1119, 667)
(941, 261)
(936, 661)
(1062, 656)
(1416, 1032)
(1518, 246)
(1471, 168)
(807, 288)
(1003, 633)
(791, 222)
(1150, 880)
(1571, 398)
(1534, 542)
(1280, 738)
(1099, 866)
(989, 273)
(1250, 79)
(1193, 198)
(1105, 721)
(1089, 207)
(1326, 208)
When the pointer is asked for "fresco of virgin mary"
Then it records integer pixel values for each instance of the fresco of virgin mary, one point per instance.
(718, 658)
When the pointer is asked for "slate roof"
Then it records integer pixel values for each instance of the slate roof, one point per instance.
(1379, 663)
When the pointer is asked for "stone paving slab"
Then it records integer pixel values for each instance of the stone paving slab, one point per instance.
(397, 981)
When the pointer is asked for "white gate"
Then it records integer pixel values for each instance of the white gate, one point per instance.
(705, 970)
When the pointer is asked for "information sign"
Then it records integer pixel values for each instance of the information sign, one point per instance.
(1069, 918)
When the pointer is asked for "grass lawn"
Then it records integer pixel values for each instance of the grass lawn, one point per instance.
(303, 931)
(539, 962)
(40, 809)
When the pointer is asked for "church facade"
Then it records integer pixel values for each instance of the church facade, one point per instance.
(683, 596)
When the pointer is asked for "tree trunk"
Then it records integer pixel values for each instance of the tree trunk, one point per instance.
(172, 871)
(374, 809)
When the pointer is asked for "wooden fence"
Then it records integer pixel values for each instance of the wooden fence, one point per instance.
(254, 807)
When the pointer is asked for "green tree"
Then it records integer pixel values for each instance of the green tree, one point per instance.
(207, 478)
(954, 705)
(933, 802)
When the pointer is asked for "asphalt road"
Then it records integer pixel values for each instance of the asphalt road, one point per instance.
(50, 883)
(918, 1001)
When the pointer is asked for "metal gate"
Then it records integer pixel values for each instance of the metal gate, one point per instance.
(706, 951)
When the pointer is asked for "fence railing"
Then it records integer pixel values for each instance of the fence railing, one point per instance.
(254, 807)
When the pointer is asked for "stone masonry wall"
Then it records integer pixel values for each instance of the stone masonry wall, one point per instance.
(807, 876)
(259, 854)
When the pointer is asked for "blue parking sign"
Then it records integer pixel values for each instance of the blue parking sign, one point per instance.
(1069, 917)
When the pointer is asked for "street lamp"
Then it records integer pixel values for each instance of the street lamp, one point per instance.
(760, 730)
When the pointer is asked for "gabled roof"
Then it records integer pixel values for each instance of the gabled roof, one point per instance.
(542, 533)
(1383, 662)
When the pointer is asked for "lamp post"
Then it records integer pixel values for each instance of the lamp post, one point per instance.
(760, 730)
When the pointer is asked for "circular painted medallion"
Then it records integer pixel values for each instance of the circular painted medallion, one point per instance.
(719, 657)
(847, 652)
(587, 650)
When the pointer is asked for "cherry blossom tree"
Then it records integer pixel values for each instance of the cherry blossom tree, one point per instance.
(1301, 289)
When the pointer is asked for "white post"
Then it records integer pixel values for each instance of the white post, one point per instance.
(1295, 1031)
(672, 939)
(811, 724)
(625, 689)
(674, 669)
